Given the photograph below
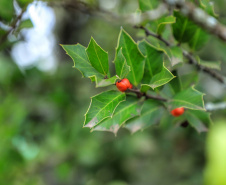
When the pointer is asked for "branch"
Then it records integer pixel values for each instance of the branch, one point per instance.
(147, 96)
(187, 55)
(13, 27)
(200, 17)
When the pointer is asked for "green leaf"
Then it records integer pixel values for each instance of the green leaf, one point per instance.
(24, 3)
(151, 113)
(98, 57)
(198, 40)
(208, 6)
(102, 106)
(25, 24)
(183, 29)
(121, 67)
(146, 5)
(210, 64)
(155, 72)
(125, 111)
(198, 119)
(162, 22)
(133, 57)
(176, 83)
(189, 98)
(82, 63)
(189, 79)
(6, 10)
(174, 53)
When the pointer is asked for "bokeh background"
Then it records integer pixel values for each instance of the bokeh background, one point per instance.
(43, 101)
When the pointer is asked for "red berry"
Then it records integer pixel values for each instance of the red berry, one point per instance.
(131, 86)
(177, 112)
(123, 84)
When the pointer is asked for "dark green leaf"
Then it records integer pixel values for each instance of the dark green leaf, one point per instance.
(98, 57)
(133, 57)
(151, 113)
(102, 106)
(6, 10)
(189, 98)
(126, 110)
(121, 67)
(24, 3)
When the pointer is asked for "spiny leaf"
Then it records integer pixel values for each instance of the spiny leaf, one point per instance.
(82, 63)
(98, 57)
(102, 106)
(121, 67)
(150, 114)
(189, 98)
(126, 110)
(133, 57)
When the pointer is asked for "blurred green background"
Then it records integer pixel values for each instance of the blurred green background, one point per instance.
(43, 101)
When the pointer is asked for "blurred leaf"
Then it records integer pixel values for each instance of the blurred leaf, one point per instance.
(121, 67)
(175, 83)
(24, 3)
(6, 10)
(189, 98)
(198, 40)
(102, 106)
(155, 72)
(210, 64)
(126, 110)
(216, 152)
(133, 57)
(174, 54)
(151, 113)
(162, 22)
(188, 80)
(208, 6)
(146, 5)
(183, 29)
(25, 24)
(98, 57)
(82, 63)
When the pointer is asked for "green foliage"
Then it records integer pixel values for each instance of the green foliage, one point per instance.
(146, 5)
(6, 10)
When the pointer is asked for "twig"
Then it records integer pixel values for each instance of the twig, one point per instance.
(147, 96)
(13, 26)
(190, 58)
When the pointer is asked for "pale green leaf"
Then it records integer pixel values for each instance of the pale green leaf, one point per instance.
(102, 106)
(146, 5)
(25, 24)
(208, 6)
(133, 57)
(151, 114)
(162, 22)
(174, 54)
(121, 67)
(98, 57)
(189, 98)
(210, 64)
(125, 111)
(82, 63)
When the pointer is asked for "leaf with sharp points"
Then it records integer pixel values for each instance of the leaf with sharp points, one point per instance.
(133, 57)
(198, 119)
(189, 98)
(98, 57)
(198, 40)
(174, 54)
(102, 106)
(183, 29)
(82, 63)
(155, 74)
(146, 5)
(121, 67)
(151, 113)
(125, 111)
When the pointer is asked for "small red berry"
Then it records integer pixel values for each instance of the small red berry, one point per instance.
(177, 112)
(131, 86)
(123, 84)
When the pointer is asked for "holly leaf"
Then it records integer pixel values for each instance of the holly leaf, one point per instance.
(121, 67)
(102, 106)
(151, 113)
(210, 64)
(198, 40)
(174, 54)
(208, 6)
(198, 119)
(133, 57)
(183, 29)
(189, 98)
(162, 22)
(125, 111)
(156, 73)
(98, 57)
(146, 5)
(82, 63)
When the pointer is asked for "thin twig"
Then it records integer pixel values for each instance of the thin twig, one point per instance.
(187, 55)
(147, 96)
